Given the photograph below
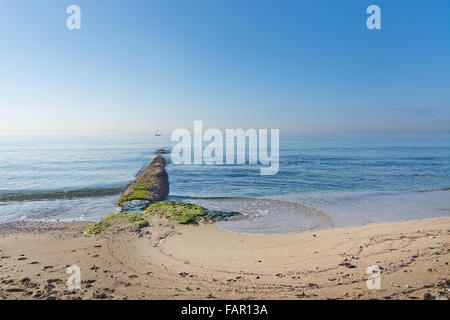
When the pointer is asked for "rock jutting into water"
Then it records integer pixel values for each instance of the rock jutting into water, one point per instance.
(151, 185)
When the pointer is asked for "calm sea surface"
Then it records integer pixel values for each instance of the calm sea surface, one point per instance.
(323, 181)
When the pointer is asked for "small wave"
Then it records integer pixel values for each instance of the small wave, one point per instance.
(264, 215)
(57, 195)
(434, 190)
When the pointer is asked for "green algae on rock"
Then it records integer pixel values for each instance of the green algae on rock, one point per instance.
(151, 185)
(134, 221)
(182, 212)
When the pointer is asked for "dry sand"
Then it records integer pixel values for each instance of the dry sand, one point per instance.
(172, 261)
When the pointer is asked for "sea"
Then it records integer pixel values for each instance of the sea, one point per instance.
(324, 181)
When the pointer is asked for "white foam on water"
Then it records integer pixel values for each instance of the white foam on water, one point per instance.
(312, 211)
(77, 209)
(266, 216)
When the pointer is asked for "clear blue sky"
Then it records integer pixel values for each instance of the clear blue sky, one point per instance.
(300, 66)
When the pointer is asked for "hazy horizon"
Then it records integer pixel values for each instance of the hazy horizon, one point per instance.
(303, 68)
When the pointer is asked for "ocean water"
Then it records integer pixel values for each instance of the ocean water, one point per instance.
(323, 181)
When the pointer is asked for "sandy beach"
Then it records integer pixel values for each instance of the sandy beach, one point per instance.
(168, 260)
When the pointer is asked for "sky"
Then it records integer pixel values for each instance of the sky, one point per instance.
(299, 66)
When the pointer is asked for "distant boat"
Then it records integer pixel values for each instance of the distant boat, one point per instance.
(157, 133)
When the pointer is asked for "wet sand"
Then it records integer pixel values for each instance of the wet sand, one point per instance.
(172, 261)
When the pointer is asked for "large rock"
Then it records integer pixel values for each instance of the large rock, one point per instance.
(152, 184)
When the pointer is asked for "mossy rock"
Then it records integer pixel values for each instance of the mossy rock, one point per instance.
(182, 212)
(151, 185)
(134, 221)
(145, 187)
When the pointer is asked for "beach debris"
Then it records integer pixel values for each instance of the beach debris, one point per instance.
(428, 296)
(151, 185)
(279, 275)
(28, 283)
(8, 281)
(313, 286)
(99, 295)
(347, 264)
(15, 290)
(57, 281)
